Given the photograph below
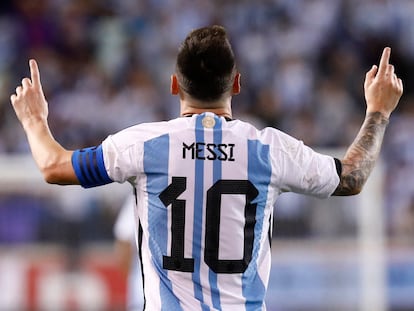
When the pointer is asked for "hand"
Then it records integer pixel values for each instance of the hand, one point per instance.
(29, 102)
(383, 88)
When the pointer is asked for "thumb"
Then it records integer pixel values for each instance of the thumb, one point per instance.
(370, 75)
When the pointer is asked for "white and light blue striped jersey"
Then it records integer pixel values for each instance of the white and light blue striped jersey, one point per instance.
(206, 188)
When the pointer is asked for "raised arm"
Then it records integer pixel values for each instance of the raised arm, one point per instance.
(31, 109)
(383, 90)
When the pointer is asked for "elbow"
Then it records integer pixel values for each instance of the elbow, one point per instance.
(349, 185)
(344, 191)
(49, 167)
(50, 178)
(58, 170)
(355, 182)
(355, 191)
(50, 175)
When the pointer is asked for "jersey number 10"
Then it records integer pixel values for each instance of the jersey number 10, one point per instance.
(177, 261)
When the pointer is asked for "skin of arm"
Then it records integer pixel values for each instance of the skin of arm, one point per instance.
(383, 90)
(31, 108)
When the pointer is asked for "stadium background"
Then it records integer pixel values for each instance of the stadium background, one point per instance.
(106, 64)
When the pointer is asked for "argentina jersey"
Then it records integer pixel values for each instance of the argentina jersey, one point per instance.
(206, 187)
(205, 225)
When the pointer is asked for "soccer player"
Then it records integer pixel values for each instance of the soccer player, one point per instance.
(206, 183)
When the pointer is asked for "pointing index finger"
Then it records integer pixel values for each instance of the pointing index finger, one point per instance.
(384, 62)
(34, 72)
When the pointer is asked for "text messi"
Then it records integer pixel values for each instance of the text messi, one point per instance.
(208, 151)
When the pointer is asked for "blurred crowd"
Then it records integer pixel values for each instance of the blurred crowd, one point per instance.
(106, 65)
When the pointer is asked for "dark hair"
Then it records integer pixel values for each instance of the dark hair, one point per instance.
(205, 64)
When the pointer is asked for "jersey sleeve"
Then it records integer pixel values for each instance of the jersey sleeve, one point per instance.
(303, 170)
(122, 156)
(115, 160)
(89, 167)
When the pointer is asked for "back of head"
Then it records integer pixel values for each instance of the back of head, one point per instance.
(205, 64)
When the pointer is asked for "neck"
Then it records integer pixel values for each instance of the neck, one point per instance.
(221, 108)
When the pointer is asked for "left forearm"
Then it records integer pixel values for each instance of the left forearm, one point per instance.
(361, 156)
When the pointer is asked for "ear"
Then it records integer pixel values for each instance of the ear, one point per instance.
(174, 85)
(236, 84)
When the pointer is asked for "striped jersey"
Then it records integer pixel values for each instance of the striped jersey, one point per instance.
(206, 187)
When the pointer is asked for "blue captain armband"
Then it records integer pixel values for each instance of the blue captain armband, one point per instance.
(89, 167)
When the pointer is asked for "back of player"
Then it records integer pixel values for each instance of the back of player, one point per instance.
(206, 187)
(202, 225)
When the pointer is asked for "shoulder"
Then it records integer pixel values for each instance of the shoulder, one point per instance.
(140, 133)
(267, 135)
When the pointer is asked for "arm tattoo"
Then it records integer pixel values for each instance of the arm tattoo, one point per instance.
(361, 156)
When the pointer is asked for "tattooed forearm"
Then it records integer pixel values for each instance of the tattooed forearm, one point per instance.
(361, 156)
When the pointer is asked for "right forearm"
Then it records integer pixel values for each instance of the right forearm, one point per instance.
(52, 159)
(361, 156)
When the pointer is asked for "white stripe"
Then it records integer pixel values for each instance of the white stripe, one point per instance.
(182, 282)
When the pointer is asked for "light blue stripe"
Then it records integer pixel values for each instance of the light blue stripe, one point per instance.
(217, 173)
(156, 155)
(198, 215)
(259, 173)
